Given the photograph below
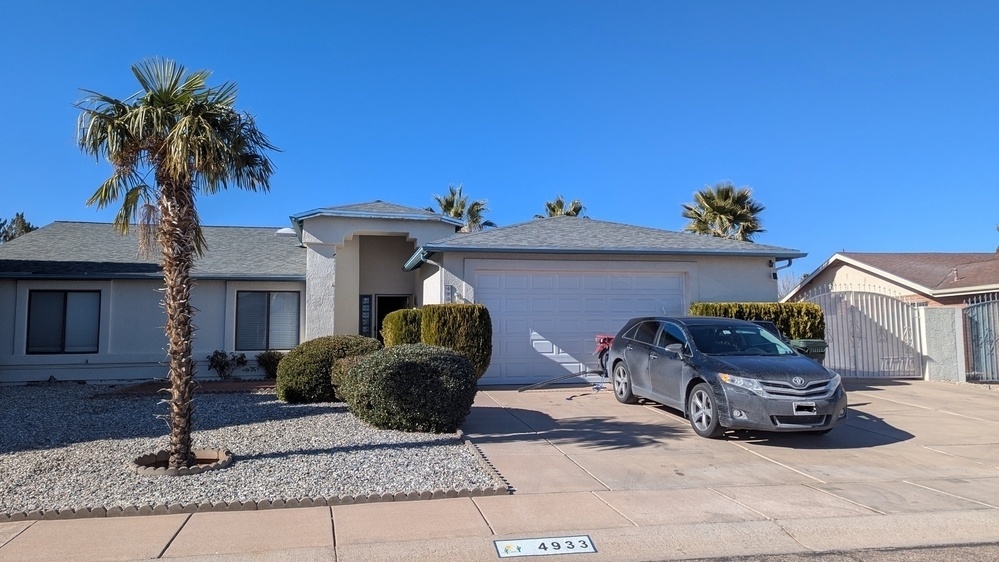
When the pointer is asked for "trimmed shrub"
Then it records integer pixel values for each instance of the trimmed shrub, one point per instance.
(411, 387)
(268, 361)
(465, 328)
(304, 374)
(340, 368)
(796, 320)
(225, 363)
(401, 326)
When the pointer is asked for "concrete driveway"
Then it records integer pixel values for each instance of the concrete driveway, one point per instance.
(916, 465)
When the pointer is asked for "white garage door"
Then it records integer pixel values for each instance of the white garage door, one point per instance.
(544, 322)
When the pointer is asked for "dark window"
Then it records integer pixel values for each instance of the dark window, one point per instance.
(647, 332)
(63, 321)
(671, 334)
(266, 320)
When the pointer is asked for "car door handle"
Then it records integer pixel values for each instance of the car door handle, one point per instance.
(653, 356)
(628, 347)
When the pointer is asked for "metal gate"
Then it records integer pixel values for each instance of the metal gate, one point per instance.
(981, 335)
(870, 334)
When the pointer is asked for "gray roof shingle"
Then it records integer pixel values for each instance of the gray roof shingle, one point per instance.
(580, 235)
(95, 250)
(375, 209)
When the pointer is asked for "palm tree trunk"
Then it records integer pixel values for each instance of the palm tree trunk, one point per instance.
(176, 234)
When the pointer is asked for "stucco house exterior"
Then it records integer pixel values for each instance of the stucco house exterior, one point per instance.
(933, 279)
(76, 303)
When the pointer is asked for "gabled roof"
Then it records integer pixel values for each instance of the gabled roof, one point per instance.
(95, 251)
(373, 210)
(935, 274)
(580, 235)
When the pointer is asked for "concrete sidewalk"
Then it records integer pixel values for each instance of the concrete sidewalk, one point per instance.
(917, 465)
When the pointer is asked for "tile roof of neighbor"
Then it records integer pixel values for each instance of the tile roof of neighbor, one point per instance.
(581, 235)
(934, 271)
(95, 250)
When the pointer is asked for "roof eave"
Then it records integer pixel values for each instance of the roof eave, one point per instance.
(297, 218)
(626, 251)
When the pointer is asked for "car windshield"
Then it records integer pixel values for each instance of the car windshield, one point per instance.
(720, 339)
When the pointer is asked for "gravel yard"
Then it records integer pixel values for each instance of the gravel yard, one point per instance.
(66, 445)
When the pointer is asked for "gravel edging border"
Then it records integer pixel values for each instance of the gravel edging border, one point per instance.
(282, 503)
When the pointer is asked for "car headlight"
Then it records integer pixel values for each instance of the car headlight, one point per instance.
(835, 381)
(751, 385)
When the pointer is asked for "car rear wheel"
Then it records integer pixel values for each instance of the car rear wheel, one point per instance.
(622, 384)
(703, 412)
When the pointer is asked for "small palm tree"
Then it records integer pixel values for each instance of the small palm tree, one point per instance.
(456, 205)
(558, 208)
(188, 136)
(724, 211)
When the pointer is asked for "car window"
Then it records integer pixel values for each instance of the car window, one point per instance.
(671, 333)
(647, 332)
(737, 340)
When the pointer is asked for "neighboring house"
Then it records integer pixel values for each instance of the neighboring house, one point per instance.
(75, 302)
(934, 279)
(906, 314)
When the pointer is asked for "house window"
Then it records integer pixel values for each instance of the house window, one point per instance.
(63, 321)
(266, 320)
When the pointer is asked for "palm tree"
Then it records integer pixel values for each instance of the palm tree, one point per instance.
(724, 211)
(191, 139)
(456, 205)
(558, 208)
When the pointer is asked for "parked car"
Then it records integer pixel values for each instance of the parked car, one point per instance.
(723, 374)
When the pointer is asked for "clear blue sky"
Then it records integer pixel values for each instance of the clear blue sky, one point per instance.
(865, 126)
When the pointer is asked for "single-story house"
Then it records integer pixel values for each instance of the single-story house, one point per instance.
(931, 279)
(76, 303)
(926, 315)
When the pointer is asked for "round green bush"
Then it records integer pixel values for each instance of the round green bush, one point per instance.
(340, 368)
(411, 387)
(304, 374)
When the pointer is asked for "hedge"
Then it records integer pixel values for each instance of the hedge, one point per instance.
(305, 372)
(796, 320)
(401, 326)
(465, 328)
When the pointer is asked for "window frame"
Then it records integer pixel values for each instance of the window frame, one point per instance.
(65, 304)
(267, 319)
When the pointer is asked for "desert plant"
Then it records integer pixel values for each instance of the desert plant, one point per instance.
(465, 328)
(401, 326)
(225, 363)
(411, 387)
(268, 361)
(304, 374)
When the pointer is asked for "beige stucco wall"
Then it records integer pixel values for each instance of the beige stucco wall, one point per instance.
(131, 343)
(848, 277)
(334, 266)
(381, 271)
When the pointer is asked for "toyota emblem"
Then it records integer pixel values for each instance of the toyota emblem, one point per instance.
(798, 381)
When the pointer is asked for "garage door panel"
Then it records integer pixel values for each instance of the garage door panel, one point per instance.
(544, 323)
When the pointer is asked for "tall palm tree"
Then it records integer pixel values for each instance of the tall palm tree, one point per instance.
(724, 211)
(558, 207)
(456, 205)
(190, 138)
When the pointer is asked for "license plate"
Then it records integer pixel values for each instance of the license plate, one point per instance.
(804, 408)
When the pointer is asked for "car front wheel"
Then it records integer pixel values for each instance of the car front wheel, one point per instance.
(703, 412)
(622, 385)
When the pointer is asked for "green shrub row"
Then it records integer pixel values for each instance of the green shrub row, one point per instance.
(402, 326)
(305, 373)
(796, 320)
(465, 328)
(410, 387)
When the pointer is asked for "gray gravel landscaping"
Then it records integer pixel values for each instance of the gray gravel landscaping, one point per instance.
(66, 446)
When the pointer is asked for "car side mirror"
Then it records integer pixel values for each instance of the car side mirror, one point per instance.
(676, 348)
